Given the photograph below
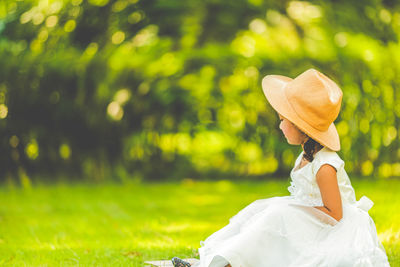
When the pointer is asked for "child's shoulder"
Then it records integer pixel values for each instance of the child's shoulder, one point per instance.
(327, 156)
(326, 152)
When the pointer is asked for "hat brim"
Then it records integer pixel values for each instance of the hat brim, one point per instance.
(274, 90)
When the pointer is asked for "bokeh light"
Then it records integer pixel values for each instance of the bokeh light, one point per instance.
(186, 89)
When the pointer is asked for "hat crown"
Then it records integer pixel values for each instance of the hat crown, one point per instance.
(315, 98)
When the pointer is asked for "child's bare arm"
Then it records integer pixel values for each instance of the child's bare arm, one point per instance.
(329, 188)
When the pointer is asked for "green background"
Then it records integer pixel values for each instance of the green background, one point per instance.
(167, 89)
(112, 112)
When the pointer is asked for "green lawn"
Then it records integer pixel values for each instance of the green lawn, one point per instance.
(124, 225)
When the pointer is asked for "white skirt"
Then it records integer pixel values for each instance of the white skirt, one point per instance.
(280, 231)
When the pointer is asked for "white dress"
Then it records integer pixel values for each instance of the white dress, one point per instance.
(288, 231)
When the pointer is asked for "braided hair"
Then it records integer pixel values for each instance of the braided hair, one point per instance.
(310, 147)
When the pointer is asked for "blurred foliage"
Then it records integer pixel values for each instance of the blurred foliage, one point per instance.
(155, 89)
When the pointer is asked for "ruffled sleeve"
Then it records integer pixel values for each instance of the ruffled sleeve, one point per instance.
(327, 157)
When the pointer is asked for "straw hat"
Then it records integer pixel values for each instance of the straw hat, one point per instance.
(311, 101)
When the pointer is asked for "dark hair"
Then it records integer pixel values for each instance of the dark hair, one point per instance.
(310, 147)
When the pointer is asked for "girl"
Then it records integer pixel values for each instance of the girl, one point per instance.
(320, 223)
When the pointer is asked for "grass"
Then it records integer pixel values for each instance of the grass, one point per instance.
(124, 225)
